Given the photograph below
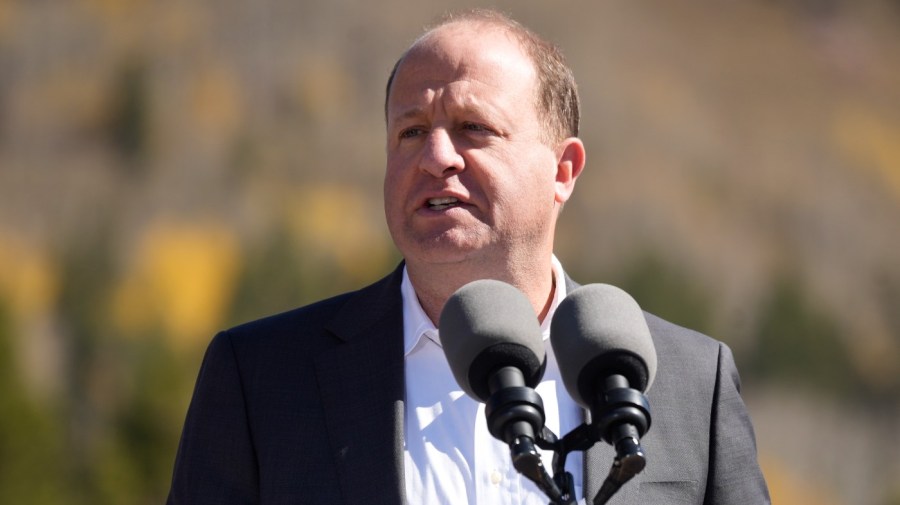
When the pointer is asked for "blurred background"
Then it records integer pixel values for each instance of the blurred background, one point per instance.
(170, 168)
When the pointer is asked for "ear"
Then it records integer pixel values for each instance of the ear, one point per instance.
(571, 157)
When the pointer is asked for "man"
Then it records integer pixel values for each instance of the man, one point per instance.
(350, 400)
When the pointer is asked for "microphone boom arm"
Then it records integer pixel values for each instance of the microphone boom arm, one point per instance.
(621, 417)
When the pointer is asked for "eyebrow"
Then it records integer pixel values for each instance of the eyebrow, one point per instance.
(415, 111)
(410, 112)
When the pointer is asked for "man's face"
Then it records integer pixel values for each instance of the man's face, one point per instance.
(469, 175)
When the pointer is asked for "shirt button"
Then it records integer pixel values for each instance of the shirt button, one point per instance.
(496, 477)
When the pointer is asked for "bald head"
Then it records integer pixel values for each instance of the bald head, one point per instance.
(556, 95)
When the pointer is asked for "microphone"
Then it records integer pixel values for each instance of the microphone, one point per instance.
(487, 325)
(607, 360)
(492, 340)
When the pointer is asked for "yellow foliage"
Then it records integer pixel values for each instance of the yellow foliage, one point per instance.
(872, 142)
(787, 487)
(182, 282)
(29, 280)
(334, 220)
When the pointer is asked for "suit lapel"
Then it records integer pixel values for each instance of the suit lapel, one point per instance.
(365, 423)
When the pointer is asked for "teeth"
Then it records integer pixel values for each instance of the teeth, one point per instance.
(441, 203)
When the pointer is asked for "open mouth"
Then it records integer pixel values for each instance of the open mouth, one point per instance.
(442, 203)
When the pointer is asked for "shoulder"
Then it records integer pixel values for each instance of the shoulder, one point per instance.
(672, 338)
(690, 364)
(701, 431)
(685, 352)
(313, 315)
(321, 324)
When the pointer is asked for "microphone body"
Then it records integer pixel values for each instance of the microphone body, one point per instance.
(488, 325)
(513, 409)
(607, 361)
(493, 343)
(599, 331)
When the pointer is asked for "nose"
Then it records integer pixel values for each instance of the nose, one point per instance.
(440, 157)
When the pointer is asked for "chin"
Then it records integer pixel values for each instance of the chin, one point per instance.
(440, 250)
(438, 255)
(443, 244)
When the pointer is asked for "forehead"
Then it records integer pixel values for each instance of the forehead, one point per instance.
(484, 56)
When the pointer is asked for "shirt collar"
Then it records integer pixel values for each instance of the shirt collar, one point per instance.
(417, 325)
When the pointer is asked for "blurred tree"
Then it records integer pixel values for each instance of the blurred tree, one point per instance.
(31, 441)
(129, 122)
(272, 280)
(128, 386)
(147, 424)
(180, 282)
(797, 344)
(281, 273)
(664, 290)
(86, 273)
(893, 496)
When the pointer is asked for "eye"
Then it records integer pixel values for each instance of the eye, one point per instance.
(414, 131)
(475, 127)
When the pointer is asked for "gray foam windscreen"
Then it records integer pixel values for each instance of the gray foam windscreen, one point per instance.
(488, 324)
(600, 329)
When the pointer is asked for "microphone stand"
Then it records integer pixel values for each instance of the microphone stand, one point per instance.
(514, 413)
(630, 460)
(620, 417)
(576, 440)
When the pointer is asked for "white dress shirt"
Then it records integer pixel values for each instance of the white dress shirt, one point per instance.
(449, 455)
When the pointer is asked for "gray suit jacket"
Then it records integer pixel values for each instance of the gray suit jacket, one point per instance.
(307, 407)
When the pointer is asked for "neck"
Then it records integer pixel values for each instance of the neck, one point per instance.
(434, 284)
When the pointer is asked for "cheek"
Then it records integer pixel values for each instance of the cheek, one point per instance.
(390, 187)
(395, 190)
(536, 182)
(392, 174)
